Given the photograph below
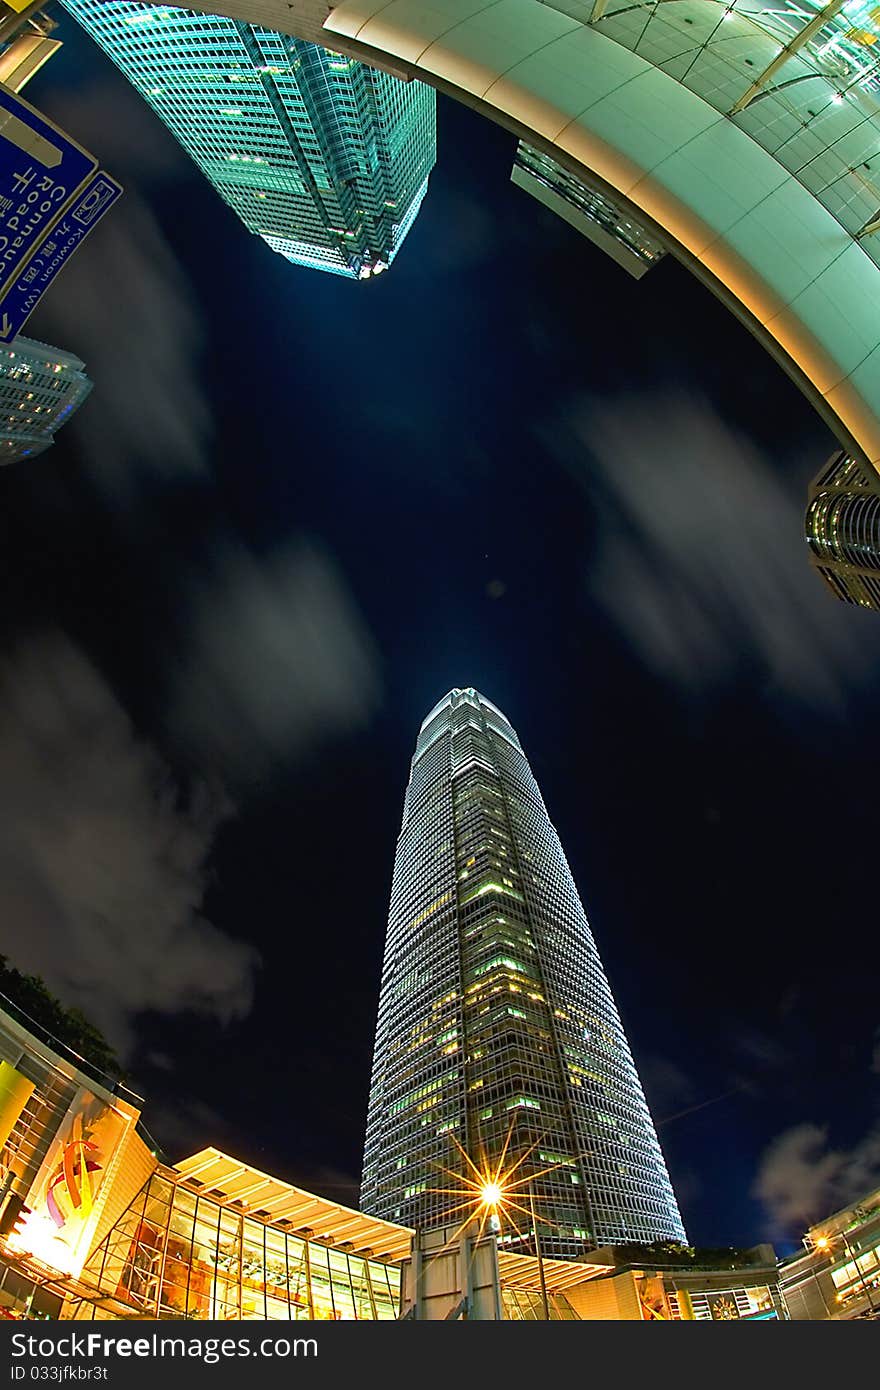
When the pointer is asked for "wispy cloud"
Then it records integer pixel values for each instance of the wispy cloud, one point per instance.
(700, 556)
(275, 658)
(102, 856)
(187, 1125)
(801, 1178)
(128, 312)
(470, 238)
(759, 1054)
(126, 308)
(135, 136)
(667, 1086)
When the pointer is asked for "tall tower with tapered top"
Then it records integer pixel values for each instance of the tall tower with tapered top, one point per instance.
(497, 1026)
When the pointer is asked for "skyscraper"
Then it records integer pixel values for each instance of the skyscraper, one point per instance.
(496, 1022)
(40, 388)
(843, 530)
(324, 158)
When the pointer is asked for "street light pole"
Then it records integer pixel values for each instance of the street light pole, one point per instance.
(540, 1257)
(492, 1197)
(824, 1243)
(818, 1284)
(865, 1285)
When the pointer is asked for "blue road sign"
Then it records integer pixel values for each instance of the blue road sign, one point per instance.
(54, 251)
(41, 170)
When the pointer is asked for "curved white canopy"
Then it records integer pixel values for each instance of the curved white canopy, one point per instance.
(747, 135)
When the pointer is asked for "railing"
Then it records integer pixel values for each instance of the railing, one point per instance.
(111, 1082)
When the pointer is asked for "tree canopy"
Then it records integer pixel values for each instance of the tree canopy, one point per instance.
(669, 1253)
(29, 994)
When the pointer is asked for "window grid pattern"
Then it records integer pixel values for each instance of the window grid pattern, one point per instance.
(324, 158)
(860, 1271)
(496, 1022)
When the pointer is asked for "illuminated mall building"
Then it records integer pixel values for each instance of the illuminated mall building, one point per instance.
(837, 1274)
(324, 158)
(843, 530)
(103, 1228)
(498, 1037)
(93, 1224)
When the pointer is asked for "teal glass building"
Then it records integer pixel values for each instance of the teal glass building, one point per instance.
(324, 158)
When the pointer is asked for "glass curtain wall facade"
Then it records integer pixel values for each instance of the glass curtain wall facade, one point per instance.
(496, 1023)
(324, 158)
(843, 530)
(181, 1254)
(40, 388)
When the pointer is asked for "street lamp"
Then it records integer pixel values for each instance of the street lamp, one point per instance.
(825, 1243)
(492, 1196)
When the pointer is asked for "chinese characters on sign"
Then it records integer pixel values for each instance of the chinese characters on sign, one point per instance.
(53, 253)
(51, 196)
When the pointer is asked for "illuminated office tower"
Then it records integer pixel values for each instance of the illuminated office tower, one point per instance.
(496, 1020)
(40, 388)
(843, 530)
(324, 158)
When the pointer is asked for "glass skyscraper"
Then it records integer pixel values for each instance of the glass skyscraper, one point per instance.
(496, 1022)
(40, 388)
(324, 158)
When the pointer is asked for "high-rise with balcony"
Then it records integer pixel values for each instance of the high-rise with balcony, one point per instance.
(324, 158)
(40, 388)
(497, 1026)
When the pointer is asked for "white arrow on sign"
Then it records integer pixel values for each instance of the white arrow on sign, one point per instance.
(29, 141)
(5, 326)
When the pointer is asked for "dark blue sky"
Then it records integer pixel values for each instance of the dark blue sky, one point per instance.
(294, 512)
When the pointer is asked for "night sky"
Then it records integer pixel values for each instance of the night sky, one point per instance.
(294, 512)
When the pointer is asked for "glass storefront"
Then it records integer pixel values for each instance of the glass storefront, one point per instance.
(181, 1254)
